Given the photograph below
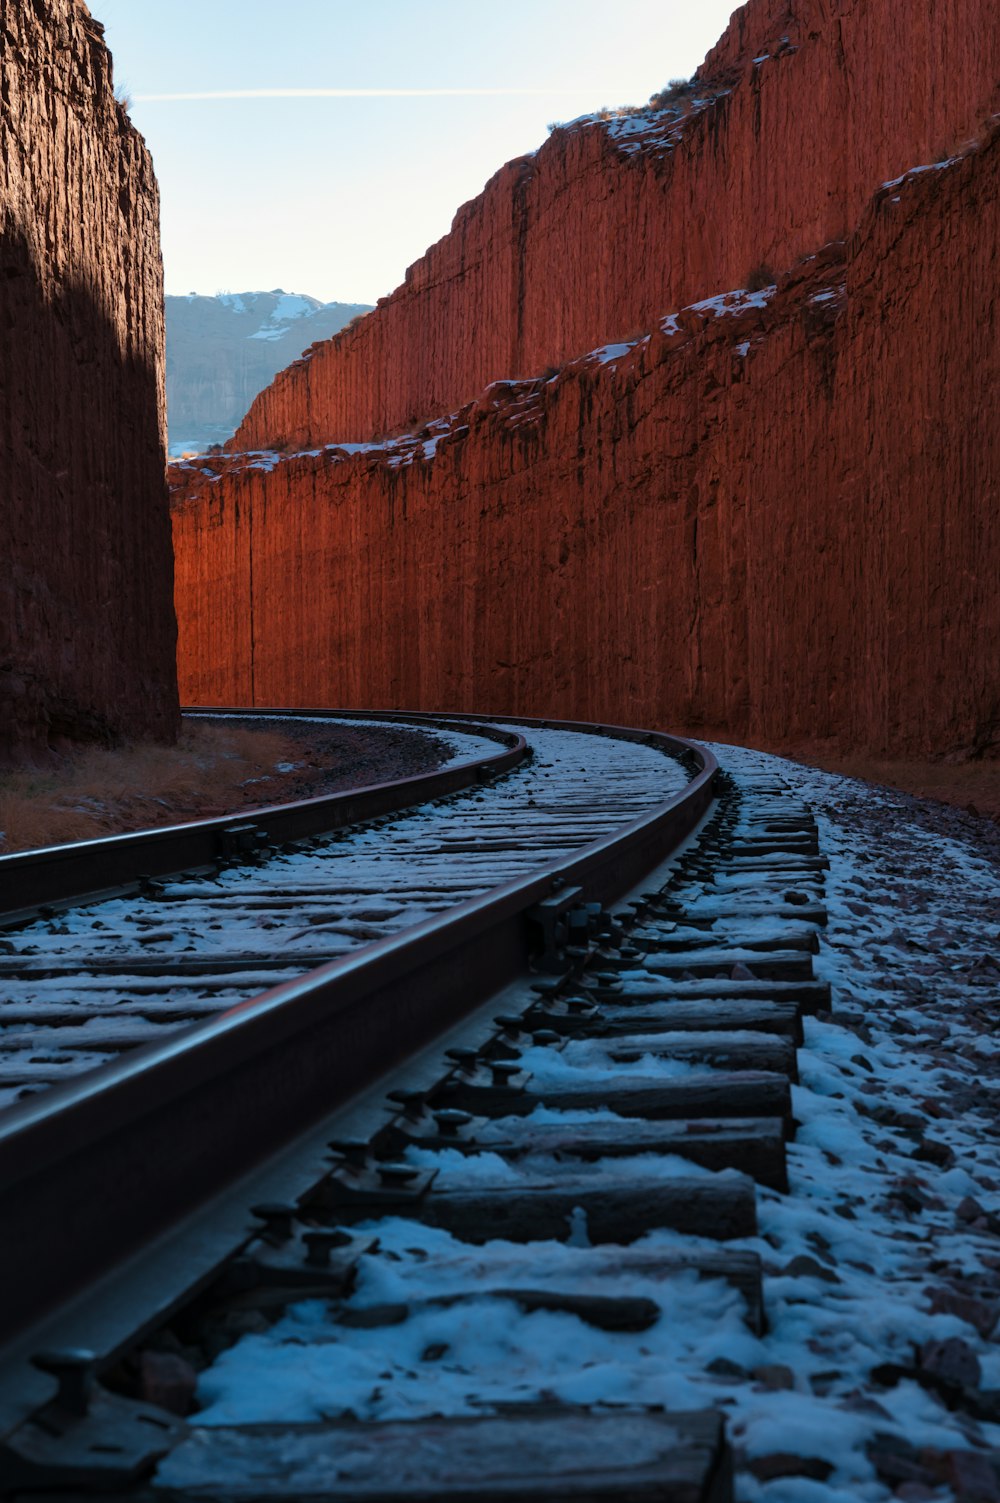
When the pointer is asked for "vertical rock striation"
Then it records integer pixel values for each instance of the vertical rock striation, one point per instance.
(775, 516)
(86, 620)
(799, 113)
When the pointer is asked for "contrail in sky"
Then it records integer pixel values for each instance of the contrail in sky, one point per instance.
(355, 94)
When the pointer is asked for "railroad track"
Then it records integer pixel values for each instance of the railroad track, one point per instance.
(549, 1103)
(84, 981)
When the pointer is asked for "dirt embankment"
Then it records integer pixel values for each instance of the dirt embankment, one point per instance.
(217, 767)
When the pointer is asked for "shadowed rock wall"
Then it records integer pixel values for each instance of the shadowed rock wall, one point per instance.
(777, 515)
(800, 113)
(87, 629)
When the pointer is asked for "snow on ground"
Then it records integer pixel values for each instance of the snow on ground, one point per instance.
(725, 304)
(879, 1376)
(895, 1171)
(609, 352)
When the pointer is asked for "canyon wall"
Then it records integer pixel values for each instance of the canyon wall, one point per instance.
(776, 515)
(87, 629)
(798, 115)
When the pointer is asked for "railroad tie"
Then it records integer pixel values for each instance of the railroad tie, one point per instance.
(591, 1157)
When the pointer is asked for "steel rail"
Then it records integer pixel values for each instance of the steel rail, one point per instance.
(55, 874)
(463, 720)
(95, 1169)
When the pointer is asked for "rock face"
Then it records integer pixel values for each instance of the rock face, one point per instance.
(86, 620)
(799, 113)
(773, 516)
(222, 350)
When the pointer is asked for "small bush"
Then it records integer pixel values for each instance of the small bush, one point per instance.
(123, 97)
(677, 94)
(604, 113)
(677, 89)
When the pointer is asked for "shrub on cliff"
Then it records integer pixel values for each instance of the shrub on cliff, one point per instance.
(677, 97)
(677, 90)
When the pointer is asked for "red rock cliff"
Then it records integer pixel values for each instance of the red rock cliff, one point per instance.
(86, 618)
(800, 112)
(778, 515)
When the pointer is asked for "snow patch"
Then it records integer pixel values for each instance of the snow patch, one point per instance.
(859, 1258)
(912, 172)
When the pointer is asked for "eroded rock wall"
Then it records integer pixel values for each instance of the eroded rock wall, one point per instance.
(800, 113)
(777, 516)
(87, 629)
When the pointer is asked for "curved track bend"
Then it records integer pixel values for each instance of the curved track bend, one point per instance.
(548, 1102)
(82, 982)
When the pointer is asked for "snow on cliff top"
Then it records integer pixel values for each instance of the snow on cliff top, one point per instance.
(655, 127)
(520, 399)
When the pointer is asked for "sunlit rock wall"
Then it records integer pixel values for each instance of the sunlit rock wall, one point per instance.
(799, 114)
(776, 517)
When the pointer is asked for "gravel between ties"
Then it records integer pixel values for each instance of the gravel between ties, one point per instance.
(879, 1376)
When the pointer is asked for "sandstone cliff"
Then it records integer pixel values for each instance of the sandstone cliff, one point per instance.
(776, 514)
(86, 619)
(799, 114)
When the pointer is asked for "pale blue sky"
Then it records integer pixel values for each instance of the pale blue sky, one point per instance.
(335, 196)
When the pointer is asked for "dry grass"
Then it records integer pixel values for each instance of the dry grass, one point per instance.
(211, 770)
(968, 785)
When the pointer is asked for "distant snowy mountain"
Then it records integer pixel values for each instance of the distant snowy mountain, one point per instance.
(223, 350)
